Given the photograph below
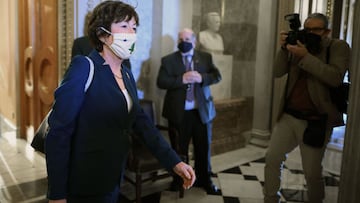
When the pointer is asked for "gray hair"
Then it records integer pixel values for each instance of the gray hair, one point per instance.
(321, 17)
(193, 35)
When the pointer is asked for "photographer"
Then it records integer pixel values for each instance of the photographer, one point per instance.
(314, 63)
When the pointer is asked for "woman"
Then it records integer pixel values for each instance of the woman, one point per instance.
(88, 140)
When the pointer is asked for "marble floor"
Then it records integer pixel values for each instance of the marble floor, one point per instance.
(239, 176)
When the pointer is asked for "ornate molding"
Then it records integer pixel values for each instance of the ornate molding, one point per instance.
(329, 8)
(66, 36)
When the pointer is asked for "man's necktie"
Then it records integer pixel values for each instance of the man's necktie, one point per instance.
(190, 89)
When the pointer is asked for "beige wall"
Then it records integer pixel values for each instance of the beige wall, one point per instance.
(8, 59)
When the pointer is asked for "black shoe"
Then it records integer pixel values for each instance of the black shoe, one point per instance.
(211, 189)
(212, 174)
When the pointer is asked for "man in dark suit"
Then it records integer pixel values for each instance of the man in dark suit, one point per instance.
(187, 75)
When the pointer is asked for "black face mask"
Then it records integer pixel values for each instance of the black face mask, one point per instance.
(185, 46)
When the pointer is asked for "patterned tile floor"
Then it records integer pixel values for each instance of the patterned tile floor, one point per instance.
(239, 176)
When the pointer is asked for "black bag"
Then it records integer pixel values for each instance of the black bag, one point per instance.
(315, 133)
(38, 142)
(340, 96)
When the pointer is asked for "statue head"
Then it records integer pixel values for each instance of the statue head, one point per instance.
(213, 21)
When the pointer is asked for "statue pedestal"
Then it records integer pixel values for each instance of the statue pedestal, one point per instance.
(222, 90)
(233, 119)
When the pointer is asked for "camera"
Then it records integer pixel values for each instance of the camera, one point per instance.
(311, 41)
(295, 33)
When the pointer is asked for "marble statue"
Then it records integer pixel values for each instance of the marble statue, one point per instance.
(209, 39)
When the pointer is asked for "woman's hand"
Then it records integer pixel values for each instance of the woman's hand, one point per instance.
(186, 172)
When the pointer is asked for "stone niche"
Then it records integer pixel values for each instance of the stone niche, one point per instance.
(233, 118)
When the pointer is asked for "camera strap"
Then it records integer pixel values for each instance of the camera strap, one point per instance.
(287, 83)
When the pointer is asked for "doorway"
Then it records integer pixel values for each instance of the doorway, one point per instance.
(38, 61)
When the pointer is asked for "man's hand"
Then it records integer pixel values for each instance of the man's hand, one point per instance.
(186, 172)
(283, 36)
(298, 50)
(192, 77)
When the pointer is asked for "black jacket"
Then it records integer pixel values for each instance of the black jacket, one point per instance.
(170, 78)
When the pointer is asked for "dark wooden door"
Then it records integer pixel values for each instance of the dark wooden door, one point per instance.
(38, 52)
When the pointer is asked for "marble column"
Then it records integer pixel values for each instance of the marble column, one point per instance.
(350, 176)
(265, 51)
(285, 7)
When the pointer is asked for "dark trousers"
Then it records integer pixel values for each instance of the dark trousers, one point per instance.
(111, 197)
(192, 128)
(209, 136)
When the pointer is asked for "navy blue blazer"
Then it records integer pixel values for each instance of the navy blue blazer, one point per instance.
(170, 78)
(88, 141)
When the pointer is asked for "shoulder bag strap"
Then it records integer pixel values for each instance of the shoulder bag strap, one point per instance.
(91, 74)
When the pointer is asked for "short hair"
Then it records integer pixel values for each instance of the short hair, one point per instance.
(104, 15)
(321, 17)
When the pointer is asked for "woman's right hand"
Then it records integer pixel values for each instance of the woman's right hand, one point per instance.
(186, 172)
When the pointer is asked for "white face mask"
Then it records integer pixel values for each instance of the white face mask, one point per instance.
(123, 44)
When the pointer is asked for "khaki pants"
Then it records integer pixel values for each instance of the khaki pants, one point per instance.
(286, 136)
